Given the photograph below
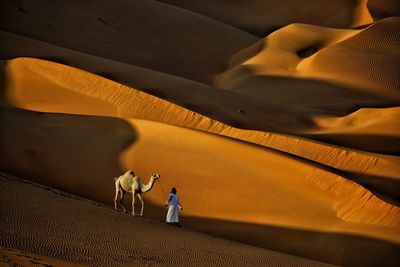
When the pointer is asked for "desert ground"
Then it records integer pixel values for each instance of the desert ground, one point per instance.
(277, 121)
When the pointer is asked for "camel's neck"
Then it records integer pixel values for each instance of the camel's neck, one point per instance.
(147, 187)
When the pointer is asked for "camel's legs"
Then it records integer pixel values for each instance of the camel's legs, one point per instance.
(133, 204)
(116, 194)
(141, 200)
(121, 199)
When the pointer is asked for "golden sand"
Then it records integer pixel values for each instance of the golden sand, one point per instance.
(279, 130)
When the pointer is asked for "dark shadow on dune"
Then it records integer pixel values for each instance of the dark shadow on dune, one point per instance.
(3, 97)
(59, 60)
(383, 8)
(158, 92)
(310, 93)
(387, 145)
(388, 190)
(308, 51)
(65, 151)
(106, 75)
(335, 248)
(3, 82)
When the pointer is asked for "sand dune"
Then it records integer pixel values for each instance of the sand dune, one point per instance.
(177, 154)
(222, 105)
(289, 143)
(383, 8)
(91, 234)
(288, 192)
(310, 62)
(267, 16)
(351, 59)
(144, 33)
(27, 75)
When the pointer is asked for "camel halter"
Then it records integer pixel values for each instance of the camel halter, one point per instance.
(162, 189)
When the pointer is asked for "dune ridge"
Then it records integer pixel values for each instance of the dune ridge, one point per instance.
(145, 145)
(276, 120)
(362, 63)
(267, 16)
(359, 206)
(124, 31)
(231, 108)
(132, 103)
(276, 182)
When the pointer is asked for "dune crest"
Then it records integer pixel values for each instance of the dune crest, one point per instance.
(347, 58)
(131, 103)
(289, 192)
(293, 117)
(267, 16)
(277, 122)
(149, 34)
(354, 203)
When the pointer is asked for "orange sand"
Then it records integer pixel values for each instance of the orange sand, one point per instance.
(292, 145)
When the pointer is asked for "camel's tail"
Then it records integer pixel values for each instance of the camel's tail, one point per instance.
(115, 178)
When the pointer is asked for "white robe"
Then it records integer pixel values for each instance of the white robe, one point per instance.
(173, 208)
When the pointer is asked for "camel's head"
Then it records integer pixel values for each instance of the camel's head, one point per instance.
(155, 176)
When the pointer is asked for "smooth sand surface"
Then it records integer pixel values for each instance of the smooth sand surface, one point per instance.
(288, 142)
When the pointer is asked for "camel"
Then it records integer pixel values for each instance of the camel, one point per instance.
(131, 183)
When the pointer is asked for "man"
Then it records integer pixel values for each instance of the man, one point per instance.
(173, 205)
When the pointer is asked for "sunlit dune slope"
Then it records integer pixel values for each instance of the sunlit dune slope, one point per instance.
(288, 141)
(261, 17)
(234, 108)
(223, 105)
(353, 67)
(377, 126)
(144, 33)
(343, 72)
(367, 60)
(259, 186)
(26, 76)
(91, 234)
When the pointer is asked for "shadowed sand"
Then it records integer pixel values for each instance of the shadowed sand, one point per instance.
(144, 33)
(280, 190)
(287, 141)
(28, 79)
(267, 16)
(57, 228)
